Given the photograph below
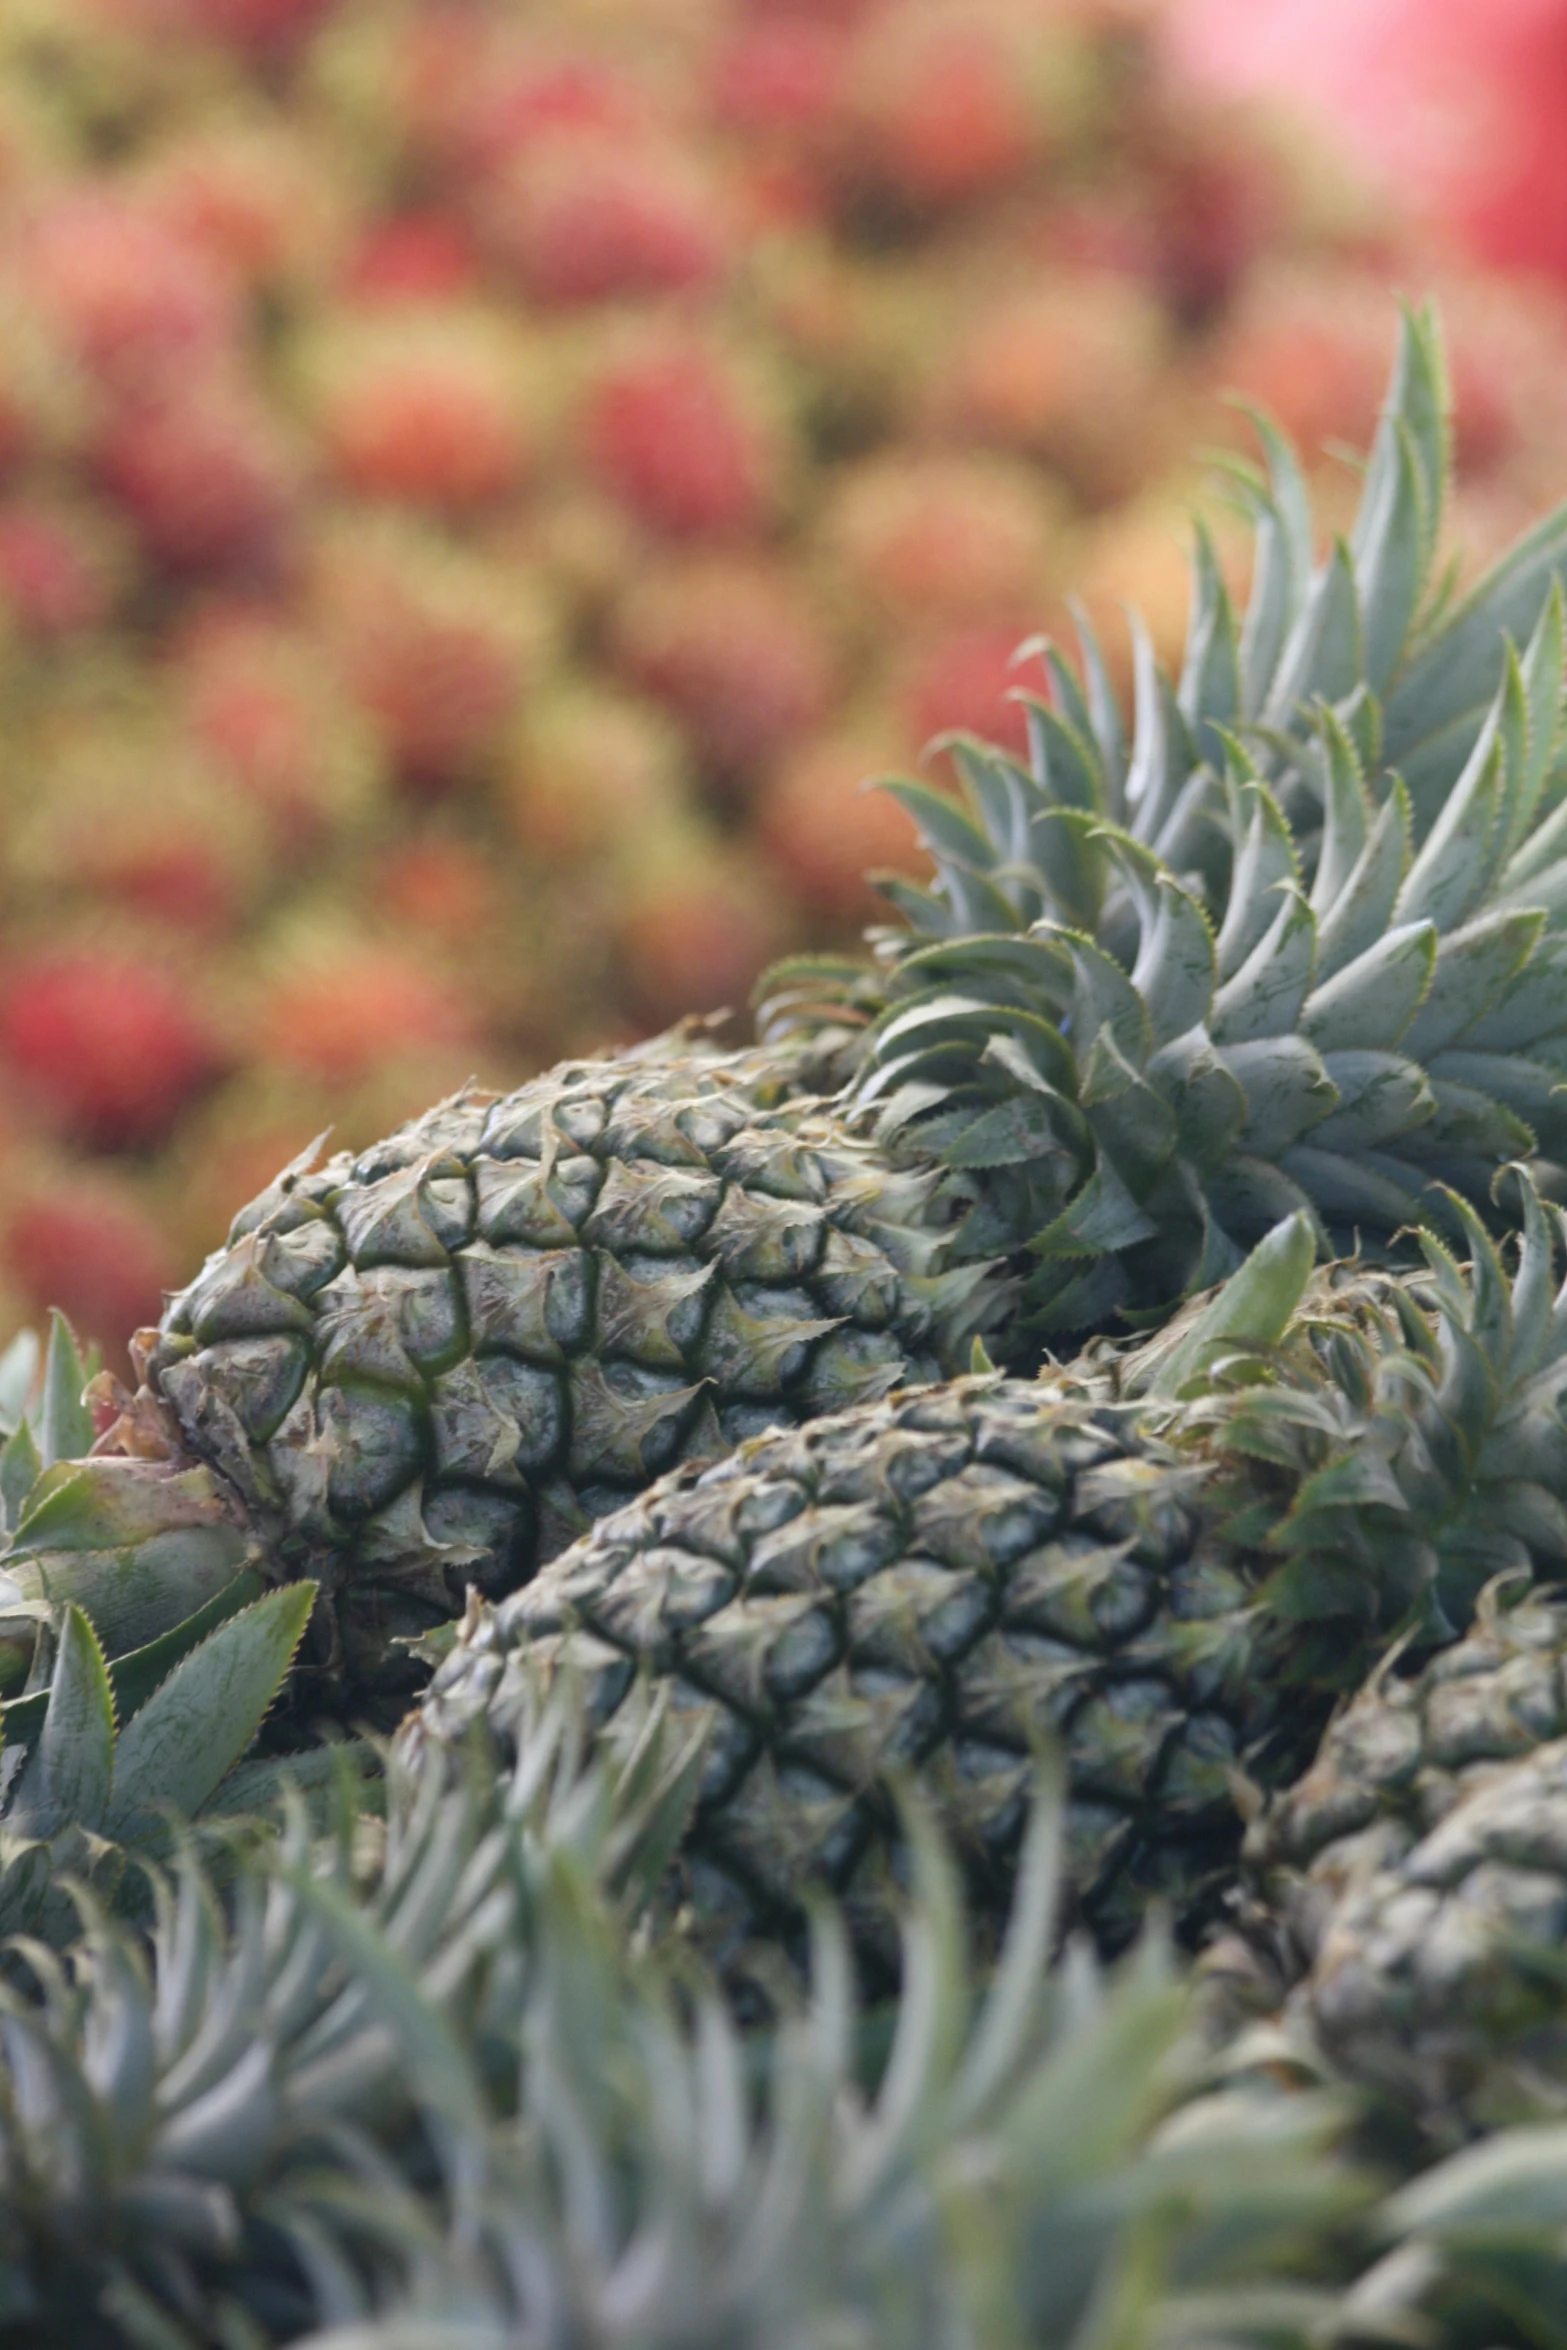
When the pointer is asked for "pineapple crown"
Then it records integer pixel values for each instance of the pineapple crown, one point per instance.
(1474, 2249)
(152, 1550)
(99, 1754)
(437, 2081)
(1295, 946)
(1398, 1438)
(103, 1763)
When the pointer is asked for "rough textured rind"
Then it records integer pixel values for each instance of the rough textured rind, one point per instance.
(1169, 1559)
(1418, 1874)
(935, 1583)
(445, 1357)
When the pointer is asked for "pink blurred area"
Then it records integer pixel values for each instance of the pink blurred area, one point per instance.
(484, 482)
(1458, 106)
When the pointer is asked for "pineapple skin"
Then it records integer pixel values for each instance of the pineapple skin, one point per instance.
(440, 1360)
(1409, 1875)
(933, 1585)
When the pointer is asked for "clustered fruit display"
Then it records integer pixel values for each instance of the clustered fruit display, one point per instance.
(1453, 102)
(510, 470)
(881, 1548)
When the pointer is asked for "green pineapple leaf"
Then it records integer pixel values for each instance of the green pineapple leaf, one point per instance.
(66, 1779)
(65, 1428)
(134, 1676)
(20, 1470)
(1332, 877)
(18, 1376)
(141, 1545)
(189, 1733)
(1252, 1310)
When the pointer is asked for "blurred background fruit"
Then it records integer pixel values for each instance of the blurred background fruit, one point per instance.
(1454, 107)
(483, 483)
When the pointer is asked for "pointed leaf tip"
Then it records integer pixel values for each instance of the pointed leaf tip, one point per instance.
(1254, 1308)
(67, 1776)
(65, 1430)
(197, 1723)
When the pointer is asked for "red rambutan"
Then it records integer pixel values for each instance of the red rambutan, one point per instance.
(266, 30)
(434, 644)
(108, 1044)
(1316, 360)
(434, 884)
(527, 94)
(734, 648)
(412, 257)
(205, 471)
(58, 572)
(584, 216)
(670, 432)
(1075, 372)
(942, 537)
(274, 724)
(960, 683)
(423, 410)
(780, 77)
(341, 1011)
(590, 768)
(255, 194)
(695, 928)
(826, 832)
(941, 109)
(132, 297)
(85, 1243)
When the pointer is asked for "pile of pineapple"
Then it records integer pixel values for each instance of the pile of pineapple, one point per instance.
(965, 1595)
(511, 470)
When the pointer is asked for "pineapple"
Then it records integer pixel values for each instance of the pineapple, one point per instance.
(1414, 1881)
(444, 1358)
(426, 2082)
(183, 2110)
(97, 1759)
(1289, 948)
(1476, 2254)
(1168, 1561)
(96, 1767)
(448, 1354)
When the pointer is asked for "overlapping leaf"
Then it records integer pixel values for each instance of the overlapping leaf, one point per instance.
(1247, 968)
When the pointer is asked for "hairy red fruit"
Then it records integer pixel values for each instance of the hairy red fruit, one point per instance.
(1074, 370)
(944, 537)
(941, 111)
(827, 833)
(206, 473)
(695, 934)
(266, 30)
(443, 887)
(735, 649)
(134, 299)
(1318, 367)
(584, 216)
(108, 1044)
(522, 99)
(781, 77)
(54, 578)
(428, 418)
(265, 710)
(960, 683)
(344, 1013)
(589, 769)
(434, 646)
(669, 433)
(412, 257)
(86, 1244)
(258, 196)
